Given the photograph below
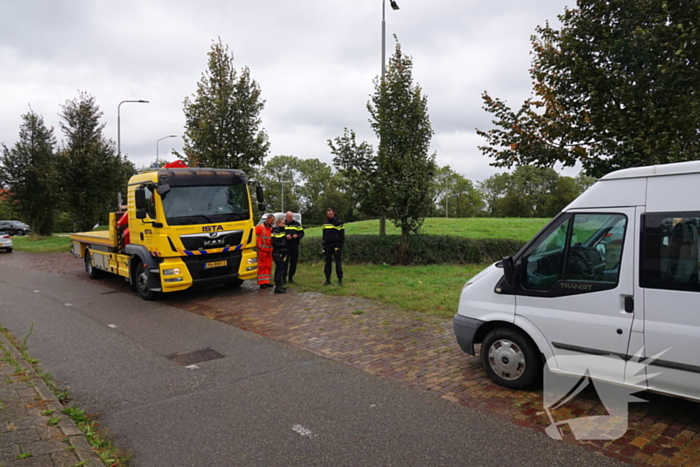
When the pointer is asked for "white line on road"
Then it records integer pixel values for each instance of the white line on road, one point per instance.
(304, 431)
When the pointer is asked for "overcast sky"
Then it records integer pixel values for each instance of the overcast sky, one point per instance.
(314, 61)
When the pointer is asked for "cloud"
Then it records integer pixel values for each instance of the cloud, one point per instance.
(315, 61)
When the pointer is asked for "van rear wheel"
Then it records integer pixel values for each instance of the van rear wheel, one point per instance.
(510, 358)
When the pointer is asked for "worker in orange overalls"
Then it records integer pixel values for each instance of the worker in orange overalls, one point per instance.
(263, 233)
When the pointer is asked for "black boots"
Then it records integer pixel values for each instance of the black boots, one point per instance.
(280, 289)
(340, 281)
(327, 282)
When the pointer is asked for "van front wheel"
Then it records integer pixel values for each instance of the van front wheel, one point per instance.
(510, 358)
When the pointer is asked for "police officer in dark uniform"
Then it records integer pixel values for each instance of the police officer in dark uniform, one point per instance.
(333, 241)
(295, 232)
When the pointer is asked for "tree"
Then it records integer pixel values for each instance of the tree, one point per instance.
(357, 167)
(28, 172)
(279, 177)
(399, 118)
(90, 170)
(615, 87)
(454, 195)
(222, 119)
(524, 193)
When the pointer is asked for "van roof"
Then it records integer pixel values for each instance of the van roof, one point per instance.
(678, 168)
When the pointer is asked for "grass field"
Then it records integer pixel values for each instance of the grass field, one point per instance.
(475, 227)
(36, 244)
(433, 290)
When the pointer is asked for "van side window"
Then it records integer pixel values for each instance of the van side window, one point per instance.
(585, 247)
(595, 249)
(543, 267)
(670, 246)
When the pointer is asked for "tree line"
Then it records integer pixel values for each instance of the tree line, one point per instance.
(76, 182)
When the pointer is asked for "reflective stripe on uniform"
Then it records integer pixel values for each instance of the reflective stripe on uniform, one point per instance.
(331, 226)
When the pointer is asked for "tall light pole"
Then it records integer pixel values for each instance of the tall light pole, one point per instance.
(158, 141)
(119, 123)
(394, 6)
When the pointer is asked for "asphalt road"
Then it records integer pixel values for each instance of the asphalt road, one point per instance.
(263, 404)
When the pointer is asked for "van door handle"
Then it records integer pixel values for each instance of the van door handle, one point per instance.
(629, 304)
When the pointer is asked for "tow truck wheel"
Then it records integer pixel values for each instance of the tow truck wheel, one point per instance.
(89, 268)
(142, 286)
(510, 358)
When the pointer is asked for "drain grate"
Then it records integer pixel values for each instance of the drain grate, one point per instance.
(196, 356)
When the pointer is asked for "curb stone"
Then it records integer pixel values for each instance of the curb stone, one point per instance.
(24, 429)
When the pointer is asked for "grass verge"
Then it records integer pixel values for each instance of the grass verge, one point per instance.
(108, 453)
(36, 244)
(433, 290)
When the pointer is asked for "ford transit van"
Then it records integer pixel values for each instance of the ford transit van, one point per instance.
(614, 274)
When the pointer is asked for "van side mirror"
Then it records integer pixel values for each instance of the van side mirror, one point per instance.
(509, 271)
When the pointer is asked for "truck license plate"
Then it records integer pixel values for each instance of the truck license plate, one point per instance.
(215, 264)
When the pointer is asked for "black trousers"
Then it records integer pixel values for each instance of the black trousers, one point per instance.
(292, 258)
(333, 253)
(280, 268)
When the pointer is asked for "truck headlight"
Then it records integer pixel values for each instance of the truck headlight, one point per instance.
(253, 260)
(174, 279)
(171, 272)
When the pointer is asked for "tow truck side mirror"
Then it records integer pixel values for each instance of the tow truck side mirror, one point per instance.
(261, 198)
(163, 190)
(140, 199)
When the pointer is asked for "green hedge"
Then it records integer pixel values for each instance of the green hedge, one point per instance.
(424, 249)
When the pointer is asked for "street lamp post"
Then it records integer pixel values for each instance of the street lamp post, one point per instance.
(394, 6)
(119, 123)
(158, 141)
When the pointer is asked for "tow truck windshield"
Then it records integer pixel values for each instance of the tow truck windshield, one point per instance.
(186, 205)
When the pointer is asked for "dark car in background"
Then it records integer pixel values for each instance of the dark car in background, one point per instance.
(14, 227)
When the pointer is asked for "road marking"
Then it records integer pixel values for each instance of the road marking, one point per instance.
(192, 367)
(36, 291)
(113, 326)
(69, 304)
(304, 431)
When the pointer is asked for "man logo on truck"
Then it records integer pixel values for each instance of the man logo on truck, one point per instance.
(214, 243)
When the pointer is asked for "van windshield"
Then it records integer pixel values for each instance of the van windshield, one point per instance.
(187, 205)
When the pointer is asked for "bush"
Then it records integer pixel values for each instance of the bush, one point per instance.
(424, 249)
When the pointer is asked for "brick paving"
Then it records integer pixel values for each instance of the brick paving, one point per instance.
(419, 351)
(33, 430)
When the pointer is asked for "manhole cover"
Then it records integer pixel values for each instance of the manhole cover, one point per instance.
(196, 356)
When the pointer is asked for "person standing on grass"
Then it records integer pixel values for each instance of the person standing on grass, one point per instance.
(333, 241)
(279, 253)
(295, 232)
(263, 235)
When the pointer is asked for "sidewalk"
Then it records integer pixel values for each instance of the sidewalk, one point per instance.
(34, 431)
(418, 351)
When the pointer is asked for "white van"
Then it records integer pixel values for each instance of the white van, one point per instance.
(614, 274)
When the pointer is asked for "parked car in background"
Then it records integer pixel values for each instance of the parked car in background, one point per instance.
(14, 227)
(5, 241)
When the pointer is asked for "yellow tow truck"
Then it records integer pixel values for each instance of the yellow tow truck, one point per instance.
(181, 227)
